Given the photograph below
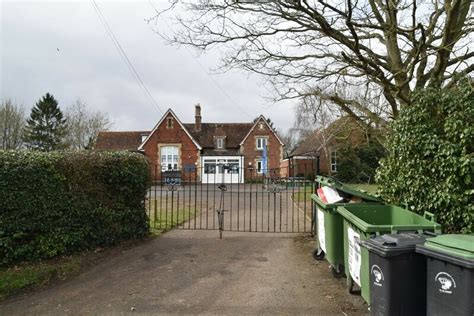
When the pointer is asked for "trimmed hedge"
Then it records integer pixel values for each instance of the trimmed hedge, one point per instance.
(61, 202)
(430, 161)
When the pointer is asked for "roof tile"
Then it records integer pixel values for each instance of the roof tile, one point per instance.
(119, 140)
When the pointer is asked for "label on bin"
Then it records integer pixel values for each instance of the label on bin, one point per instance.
(377, 275)
(445, 282)
(321, 231)
(354, 255)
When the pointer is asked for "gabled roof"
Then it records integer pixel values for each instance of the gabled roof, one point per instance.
(316, 141)
(261, 117)
(119, 140)
(233, 132)
(310, 145)
(161, 121)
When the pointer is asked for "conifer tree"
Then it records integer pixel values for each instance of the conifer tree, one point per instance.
(46, 125)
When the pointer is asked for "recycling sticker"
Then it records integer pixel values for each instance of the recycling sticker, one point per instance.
(377, 274)
(445, 282)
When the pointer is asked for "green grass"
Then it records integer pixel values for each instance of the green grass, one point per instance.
(369, 188)
(161, 221)
(20, 278)
(303, 194)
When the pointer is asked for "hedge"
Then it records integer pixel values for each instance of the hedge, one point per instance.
(62, 202)
(430, 161)
(357, 164)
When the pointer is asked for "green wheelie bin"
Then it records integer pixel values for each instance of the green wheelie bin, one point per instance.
(362, 222)
(328, 223)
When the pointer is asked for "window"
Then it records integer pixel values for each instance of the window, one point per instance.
(169, 123)
(144, 137)
(261, 142)
(220, 143)
(169, 158)
(233, 166)
(333, 160)
(209, 168)
(259, 166)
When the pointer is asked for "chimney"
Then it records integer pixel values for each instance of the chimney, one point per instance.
(197, 124)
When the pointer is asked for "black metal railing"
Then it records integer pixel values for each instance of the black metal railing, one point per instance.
(224, 199)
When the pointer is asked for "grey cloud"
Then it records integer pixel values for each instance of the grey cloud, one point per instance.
(88, 66)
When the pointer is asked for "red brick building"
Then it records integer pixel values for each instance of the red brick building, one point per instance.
(319, 151)
(205, 152)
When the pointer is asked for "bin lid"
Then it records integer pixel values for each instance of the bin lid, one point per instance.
(461, 246)
(344, 188)
(390, 245)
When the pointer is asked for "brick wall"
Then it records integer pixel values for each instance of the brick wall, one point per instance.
(171, 135)
(285, 168)
(249, 150)
(297, 167)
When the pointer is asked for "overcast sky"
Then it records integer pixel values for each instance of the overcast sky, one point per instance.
(62, 48)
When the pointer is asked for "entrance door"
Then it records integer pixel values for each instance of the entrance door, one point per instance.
(222, 170)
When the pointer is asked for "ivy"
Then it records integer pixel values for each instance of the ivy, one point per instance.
(430, 161)
(61, 202)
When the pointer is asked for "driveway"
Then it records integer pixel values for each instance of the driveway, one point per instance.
(248, 207)
(193, 272)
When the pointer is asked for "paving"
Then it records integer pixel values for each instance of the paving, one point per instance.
(193, 272)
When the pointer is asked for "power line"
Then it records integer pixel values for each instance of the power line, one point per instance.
(204, 69)
(124, 56)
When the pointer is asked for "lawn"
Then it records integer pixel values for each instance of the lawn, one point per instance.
(369, 188)
(303, 194)
(163, 219)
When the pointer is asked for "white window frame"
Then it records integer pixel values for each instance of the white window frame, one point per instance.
(220, 143)
(261, 142)
(333, 160)
(169, 156)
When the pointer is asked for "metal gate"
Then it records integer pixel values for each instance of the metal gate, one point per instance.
(272, 201)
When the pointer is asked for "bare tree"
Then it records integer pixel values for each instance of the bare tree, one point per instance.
(289, 140)
(383, 49)
(84, 126)
(12, 121)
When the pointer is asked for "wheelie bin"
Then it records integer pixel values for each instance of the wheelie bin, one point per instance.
(367, 221)
(450, 274)
(397, 274)
(328, 225)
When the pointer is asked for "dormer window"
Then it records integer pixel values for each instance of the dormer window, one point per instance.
(144, 137)
(220, 143)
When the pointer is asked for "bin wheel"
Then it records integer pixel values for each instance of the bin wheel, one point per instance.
(351, 286)
(318, 254)
(337, 271)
